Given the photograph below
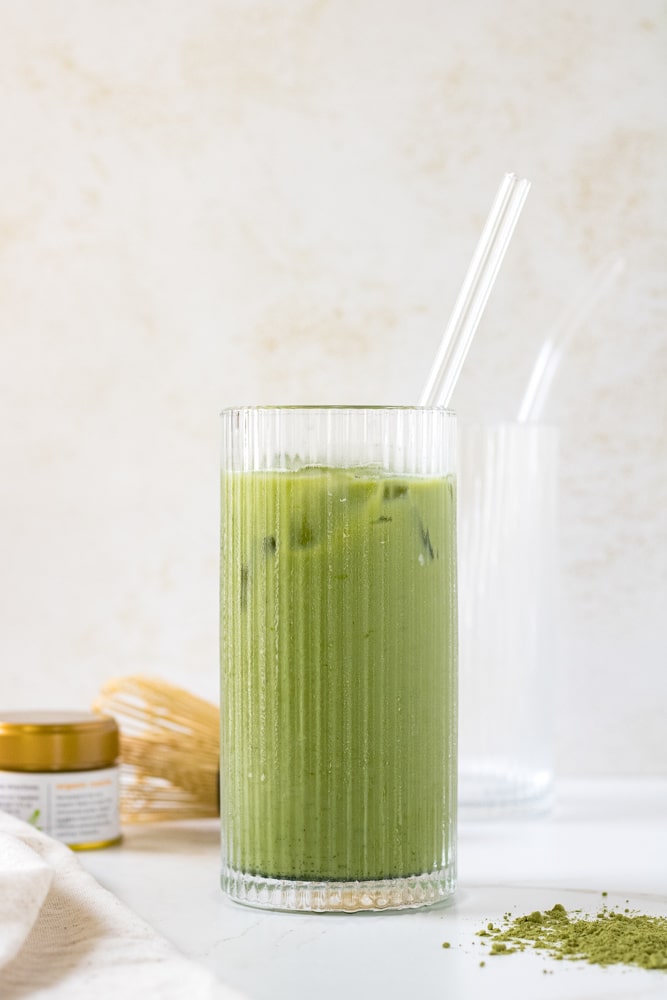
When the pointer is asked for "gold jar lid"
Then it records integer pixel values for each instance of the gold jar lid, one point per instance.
(57, 741)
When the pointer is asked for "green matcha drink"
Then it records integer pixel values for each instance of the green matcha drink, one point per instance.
(338, 680)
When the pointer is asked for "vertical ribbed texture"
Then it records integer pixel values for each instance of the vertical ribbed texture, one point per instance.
(508, 540)
(338, 657)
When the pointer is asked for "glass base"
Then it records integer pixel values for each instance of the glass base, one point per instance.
(486, 789)
(408, 893)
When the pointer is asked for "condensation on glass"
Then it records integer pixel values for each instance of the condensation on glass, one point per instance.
(338, 657)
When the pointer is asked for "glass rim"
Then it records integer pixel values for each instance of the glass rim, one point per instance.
(336, 407)
(501, 423)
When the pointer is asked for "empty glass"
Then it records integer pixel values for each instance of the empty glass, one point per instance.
(508, 599)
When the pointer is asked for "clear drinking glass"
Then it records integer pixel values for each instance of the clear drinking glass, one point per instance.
(338, 657)
(508, 599)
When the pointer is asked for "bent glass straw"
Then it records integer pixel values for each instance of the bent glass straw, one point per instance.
(475, 291)
(559, 336)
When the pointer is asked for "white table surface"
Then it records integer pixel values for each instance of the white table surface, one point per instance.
(603, 835)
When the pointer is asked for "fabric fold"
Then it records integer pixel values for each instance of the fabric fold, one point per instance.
(25, 880)
(63, 935)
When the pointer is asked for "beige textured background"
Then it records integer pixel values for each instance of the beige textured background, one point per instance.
(209, 203)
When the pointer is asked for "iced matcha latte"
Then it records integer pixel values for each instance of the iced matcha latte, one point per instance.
(338, 682)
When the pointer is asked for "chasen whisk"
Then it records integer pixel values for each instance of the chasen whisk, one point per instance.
(169, 742)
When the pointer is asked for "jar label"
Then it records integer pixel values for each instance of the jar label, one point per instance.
(80, 808)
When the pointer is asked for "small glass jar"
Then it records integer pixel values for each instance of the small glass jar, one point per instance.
(59, 771)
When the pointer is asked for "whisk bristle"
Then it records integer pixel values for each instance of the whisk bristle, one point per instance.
(169, 740)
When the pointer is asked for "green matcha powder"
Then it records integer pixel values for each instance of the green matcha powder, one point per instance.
(609, 938)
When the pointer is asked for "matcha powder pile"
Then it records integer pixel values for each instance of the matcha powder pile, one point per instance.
(609, 938)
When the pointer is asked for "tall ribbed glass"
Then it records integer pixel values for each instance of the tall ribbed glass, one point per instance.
(338, 657)
(509, 596)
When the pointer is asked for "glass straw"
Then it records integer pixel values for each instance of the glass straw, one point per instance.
(551, 353)
(475, 291)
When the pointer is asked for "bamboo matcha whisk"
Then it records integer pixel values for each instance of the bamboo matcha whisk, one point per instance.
(169, 744)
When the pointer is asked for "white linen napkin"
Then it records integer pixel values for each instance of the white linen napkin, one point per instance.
(63, 935)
